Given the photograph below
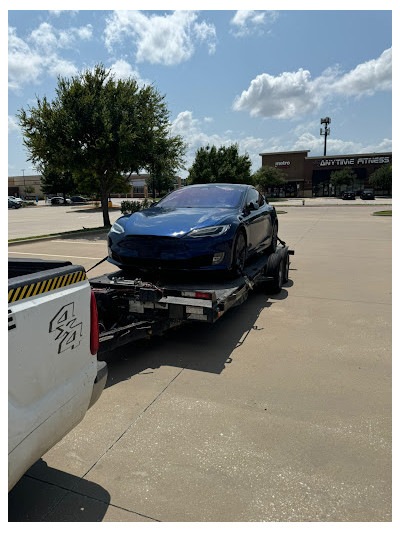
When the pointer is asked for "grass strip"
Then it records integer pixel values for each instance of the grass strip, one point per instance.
(382, 214)
(84, 230)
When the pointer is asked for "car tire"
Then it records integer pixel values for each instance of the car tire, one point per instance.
(275, 268)
(239, 255)
(274, 240)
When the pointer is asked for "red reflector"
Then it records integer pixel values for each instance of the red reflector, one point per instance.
(94, 326)
(203, 295)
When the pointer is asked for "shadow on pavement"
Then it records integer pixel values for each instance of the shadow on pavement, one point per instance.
(47, 494)
(202, 347)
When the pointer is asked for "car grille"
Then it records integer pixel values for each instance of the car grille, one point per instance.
(153, 247)
(155, 264)
(153, 252)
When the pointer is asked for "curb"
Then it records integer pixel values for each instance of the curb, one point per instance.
(57, 236)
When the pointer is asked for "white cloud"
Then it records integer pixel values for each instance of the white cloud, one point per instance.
(162, 39)
(367, 78)
(249, 21)
(123, 70)
(12, 124)
(29, 60)
(24, 65)
(280, 96)
(61, 67)
(190, 129)
(48, 38)
(292, 94)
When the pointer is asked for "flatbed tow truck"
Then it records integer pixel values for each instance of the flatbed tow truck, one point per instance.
(131, 308)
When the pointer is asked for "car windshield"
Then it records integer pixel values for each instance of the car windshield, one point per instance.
(207, 196)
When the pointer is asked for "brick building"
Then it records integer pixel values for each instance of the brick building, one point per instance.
(310, 176)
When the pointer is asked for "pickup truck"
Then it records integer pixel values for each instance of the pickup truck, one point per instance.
(53, 372)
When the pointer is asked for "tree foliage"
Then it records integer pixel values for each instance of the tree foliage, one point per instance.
(382, 178)
(268, 177)
(222, 165)
(345, 176)
(100, 130)
(54, 182)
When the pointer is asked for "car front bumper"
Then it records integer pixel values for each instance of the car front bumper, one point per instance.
(169, 253)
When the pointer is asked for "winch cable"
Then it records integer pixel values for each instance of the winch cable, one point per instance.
(97, 264)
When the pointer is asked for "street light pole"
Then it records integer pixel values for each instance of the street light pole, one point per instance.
(23, 176)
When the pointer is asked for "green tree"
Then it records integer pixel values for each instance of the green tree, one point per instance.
(162, 169)
(101, 130)
(222, 165)
(269, 177)
(55, 182)
(345, 176)
(382, 178)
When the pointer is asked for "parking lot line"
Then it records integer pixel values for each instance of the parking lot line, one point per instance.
(79, 242)
(54, 255)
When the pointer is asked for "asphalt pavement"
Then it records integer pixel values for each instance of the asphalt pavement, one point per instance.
(279, 412)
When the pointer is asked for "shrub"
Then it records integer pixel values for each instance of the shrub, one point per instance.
(128, 207)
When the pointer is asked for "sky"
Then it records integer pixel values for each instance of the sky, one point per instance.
(261, 79)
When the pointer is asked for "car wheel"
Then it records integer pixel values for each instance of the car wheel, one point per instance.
(239, 255)
(274, 240)
(276, 268)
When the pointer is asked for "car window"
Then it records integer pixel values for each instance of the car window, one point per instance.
(252, 196)
(207, 196)
(261, 200)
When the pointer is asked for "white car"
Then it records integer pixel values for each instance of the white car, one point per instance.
(59, 200)
(15, 199)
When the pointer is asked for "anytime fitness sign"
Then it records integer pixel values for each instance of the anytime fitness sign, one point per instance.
(353, 161)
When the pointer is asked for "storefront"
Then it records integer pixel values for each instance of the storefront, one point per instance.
(310, 176)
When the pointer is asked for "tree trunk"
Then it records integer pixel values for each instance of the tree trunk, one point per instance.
(104, 206)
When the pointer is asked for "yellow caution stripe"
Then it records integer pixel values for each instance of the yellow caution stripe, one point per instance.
(51, 284)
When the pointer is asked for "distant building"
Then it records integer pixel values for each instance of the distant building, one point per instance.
(310, 176)
(139, 188)
(25, 186)
(18, 185)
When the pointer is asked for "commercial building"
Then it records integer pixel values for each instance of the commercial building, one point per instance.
(25, 186)
(310, 176)
(30, 186)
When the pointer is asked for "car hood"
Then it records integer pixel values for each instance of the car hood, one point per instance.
(175, 222)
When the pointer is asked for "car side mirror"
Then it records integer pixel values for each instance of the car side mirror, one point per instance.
(253, 206)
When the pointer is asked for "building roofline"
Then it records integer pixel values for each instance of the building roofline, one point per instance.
(282, 153)
(341, 156)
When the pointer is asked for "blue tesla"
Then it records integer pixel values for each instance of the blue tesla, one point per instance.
(213, 226)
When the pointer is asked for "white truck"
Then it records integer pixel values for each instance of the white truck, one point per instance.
(53, 372)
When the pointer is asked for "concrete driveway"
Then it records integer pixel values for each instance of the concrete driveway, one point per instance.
(279, 412)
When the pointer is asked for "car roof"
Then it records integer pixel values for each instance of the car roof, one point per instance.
(234, 185)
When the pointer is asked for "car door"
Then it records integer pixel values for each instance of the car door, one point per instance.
(257, 220)
(265, 221)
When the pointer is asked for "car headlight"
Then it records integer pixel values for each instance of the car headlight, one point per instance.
(209, 231)
(117, 228)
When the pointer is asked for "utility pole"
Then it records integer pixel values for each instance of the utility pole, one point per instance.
(23, 176)
(325, 131)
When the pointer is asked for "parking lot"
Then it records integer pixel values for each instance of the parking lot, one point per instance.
(279, 412)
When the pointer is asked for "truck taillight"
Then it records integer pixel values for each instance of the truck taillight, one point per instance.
(94, 326)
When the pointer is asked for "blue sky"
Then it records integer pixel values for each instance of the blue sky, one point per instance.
(262, 79)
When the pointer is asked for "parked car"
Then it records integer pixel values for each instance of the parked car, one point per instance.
(79, 200)
(199, 227)
(59, 200)
(367, 195)
(13, 204)
(348, 195)
(15, 199)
